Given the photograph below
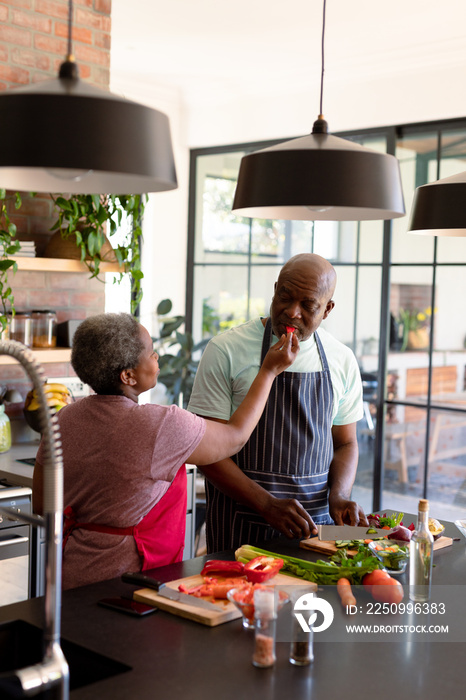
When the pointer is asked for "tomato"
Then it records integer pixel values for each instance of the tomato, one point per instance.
(388, 591)
(375, 577)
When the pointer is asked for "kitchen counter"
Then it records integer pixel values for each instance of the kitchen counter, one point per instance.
(171, 657)
(16, 472)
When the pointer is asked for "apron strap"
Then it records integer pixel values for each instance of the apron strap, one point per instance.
(70, 524)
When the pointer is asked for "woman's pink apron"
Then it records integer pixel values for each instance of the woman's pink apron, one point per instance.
(159, 536)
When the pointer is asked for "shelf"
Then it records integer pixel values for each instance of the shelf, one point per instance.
(42, 356)
(60, 265)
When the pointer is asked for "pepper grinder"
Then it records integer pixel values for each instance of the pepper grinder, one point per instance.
(301, 649)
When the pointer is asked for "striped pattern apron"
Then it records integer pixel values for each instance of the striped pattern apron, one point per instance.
(288, 454)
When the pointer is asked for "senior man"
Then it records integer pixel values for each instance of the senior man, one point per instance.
(299, 465)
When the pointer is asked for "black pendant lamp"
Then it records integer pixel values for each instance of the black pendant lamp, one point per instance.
(439, 208)
(67, 136)
(319, 177)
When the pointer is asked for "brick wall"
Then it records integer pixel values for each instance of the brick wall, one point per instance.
(33, 43)
(33, 40)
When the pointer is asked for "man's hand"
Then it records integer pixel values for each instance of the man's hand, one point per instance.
(345, 512)
(288, 517)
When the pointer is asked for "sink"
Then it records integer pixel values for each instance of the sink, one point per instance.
(21, 645)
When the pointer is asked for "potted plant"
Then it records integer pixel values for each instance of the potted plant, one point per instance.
(178, 368)
(9, 245)
(415, 330)
(90, 220)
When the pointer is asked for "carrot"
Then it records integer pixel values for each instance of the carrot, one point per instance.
(345, 592)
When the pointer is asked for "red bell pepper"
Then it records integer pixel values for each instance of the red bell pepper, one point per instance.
(262, 568)
(224, 568)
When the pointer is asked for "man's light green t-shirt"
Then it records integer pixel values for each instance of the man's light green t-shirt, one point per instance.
(231, 361)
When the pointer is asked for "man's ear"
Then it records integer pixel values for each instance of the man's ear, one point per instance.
(128, 377)
(329, 307)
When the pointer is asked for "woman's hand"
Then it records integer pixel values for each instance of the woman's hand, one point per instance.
(282, 354)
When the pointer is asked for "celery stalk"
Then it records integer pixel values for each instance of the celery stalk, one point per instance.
(319, 572)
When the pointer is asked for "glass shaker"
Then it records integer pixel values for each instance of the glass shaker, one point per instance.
(44, 328)
(301, 649)
(265, 616)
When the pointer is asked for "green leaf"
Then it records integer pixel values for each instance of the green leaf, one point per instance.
(64, 203)
(5, 264)
(164, 307)
(92, 243)
(101, 215)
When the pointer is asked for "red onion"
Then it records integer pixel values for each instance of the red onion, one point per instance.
(400, 533)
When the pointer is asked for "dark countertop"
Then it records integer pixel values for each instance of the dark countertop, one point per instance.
(172, 657)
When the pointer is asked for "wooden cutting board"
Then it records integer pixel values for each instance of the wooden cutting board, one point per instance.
(328, 546)
(226, 611)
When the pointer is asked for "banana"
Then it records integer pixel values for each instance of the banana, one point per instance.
(52, 396)
(55, 386)
(34, 405)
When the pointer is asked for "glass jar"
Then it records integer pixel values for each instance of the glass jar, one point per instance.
(5, 430)
(265, 615)
(20, 327)
(44, 328)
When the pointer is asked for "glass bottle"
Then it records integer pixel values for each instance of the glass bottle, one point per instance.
(421, 549)
(265, 623)
(301, 649)
(5, 430)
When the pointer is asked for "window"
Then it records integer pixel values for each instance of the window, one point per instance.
(413, 283)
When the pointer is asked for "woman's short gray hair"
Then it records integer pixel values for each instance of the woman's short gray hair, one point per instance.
(104, 346)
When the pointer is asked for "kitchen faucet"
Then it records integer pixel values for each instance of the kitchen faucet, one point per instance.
(53, 669)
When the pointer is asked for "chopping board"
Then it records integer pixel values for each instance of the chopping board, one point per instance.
(328, 546)
(226, 611)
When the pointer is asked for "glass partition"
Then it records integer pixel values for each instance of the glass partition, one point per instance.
(417, 283)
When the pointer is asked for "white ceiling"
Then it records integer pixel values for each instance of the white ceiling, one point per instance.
(215, 48)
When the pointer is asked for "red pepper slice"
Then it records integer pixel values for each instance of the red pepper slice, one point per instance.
(218, 566)
(262, 568)
(290, 329)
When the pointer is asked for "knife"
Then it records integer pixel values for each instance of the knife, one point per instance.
(149, 582)
(350, 532)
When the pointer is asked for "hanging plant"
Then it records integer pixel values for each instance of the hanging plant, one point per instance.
(90, 220)
(9, 245)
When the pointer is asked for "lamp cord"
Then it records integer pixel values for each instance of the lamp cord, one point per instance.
(323, 63)
(70, 30)
(69, 68)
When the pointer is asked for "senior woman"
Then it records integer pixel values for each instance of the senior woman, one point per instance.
(124, 463)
